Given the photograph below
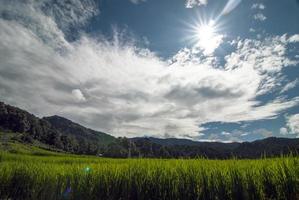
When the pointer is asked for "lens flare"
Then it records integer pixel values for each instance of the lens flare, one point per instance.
(207, 37)
(205, 33)
(87, 169)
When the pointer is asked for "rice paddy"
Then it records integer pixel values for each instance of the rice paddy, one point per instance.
(80, 177)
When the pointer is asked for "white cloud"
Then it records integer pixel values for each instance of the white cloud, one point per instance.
(68, 14)
(193, 3)
(129, 91)
(209, 45)
(293, 124)
(259, 6)
(50, 20)
(265, 57)
(283, 131)
(289, 86)
(260, 17)
(294, 38)
(239, 135)
(78, 95)
(225, 133)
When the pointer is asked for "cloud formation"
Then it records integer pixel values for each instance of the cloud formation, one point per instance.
(193, 3)
(238, 135)
(294, 38)
(290, 86)
(118, 87)
(293, 124)
(260, 17)
(258, 6)
(283, 131)
(78, 95)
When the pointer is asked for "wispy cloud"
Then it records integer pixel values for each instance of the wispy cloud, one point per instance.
(258, 6)
(260, 17)
(225, 133)
(193, 3)
(238, 135)
(290, 85)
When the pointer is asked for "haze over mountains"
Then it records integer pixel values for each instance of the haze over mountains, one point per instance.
(60, 134)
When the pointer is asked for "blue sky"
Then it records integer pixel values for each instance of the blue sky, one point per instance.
(204, 70)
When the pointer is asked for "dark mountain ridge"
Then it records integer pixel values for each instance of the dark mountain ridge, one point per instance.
(177, 141)
(70, 128)
(271, 146)
(63, 134)
(30, 127)
(56, 132)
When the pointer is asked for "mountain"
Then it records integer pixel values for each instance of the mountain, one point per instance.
(51, 132)
(187, 148)
(180, 142)
(69, 128)
(61, 134)
(268, 146)
(28, 126)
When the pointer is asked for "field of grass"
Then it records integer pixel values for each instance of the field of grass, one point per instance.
(60, 176)
(18, 148)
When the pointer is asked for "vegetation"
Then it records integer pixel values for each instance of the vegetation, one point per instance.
(80, 133)
(38, 161)
(19, 148)
(61, 176)
(151, 148)
(51, 132)
(59, 134)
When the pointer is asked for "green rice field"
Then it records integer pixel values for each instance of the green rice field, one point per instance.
(60, 176)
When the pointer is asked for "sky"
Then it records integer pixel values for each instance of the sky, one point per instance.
(204, 70)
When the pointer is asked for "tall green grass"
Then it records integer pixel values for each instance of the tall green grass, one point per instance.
(76, 177)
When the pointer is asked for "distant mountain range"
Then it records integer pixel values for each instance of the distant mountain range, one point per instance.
(59, 133)
(271, 146)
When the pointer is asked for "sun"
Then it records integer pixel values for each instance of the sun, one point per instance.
(206, 31)
(205, 34)
(208, 39)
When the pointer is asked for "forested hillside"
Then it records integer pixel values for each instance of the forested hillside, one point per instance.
(61, 134)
